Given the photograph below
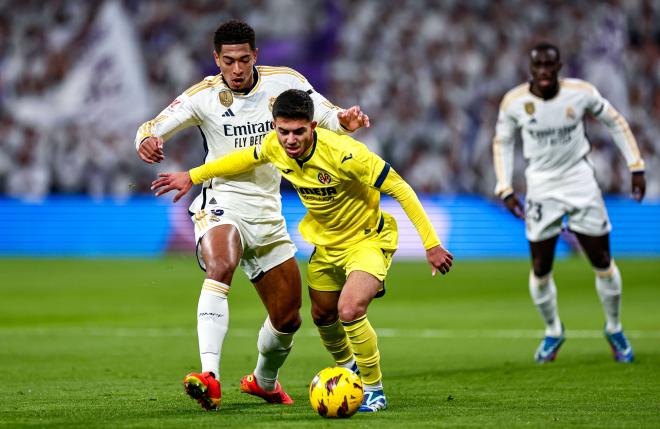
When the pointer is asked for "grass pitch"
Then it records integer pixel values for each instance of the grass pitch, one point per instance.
(106, 343)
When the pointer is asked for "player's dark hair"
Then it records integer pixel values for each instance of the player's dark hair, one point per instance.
(294, 104)
(545, 46)
(234, 32)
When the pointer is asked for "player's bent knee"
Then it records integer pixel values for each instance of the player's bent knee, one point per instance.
(602, 261)
(541, 268)
(220, 270)
(323, 317)
(350, 312)
(288, 323)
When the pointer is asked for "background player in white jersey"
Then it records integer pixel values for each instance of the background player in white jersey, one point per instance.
(239, 221)
(561, 182)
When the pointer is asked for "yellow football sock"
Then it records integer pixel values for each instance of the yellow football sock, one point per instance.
(335, 342)
(364, 344)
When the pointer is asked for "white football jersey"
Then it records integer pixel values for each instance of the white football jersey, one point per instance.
(231, 120)
(553, 135)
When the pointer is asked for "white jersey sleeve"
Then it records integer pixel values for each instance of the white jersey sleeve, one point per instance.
(230, 121)
(180, 114)
(503, 145)
(602, 110)
(325, 113)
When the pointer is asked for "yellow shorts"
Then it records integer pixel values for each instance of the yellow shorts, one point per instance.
(329, 267)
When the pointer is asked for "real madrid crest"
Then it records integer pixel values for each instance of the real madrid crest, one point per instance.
(529, 108)
(570, 113)
(324, 177)
(271, 101)
(226, 98)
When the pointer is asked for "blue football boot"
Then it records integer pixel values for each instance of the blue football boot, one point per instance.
(547, 350)
(621, 348)
(373, 401)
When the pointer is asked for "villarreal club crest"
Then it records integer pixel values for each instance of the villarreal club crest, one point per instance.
(324, 177)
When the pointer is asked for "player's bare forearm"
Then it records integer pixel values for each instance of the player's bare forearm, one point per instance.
(638, 182)
(353, 118)
(166, 182)
(440, 259)
(151, 150)
(515, 206)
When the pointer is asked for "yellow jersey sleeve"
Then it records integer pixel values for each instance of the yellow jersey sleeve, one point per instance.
(394, 186)
(237, 162)
(373, 171)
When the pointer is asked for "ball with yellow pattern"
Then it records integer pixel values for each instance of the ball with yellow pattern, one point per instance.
(336, 392)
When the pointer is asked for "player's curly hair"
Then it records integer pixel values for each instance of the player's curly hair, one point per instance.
(294, 104)
(234, 32)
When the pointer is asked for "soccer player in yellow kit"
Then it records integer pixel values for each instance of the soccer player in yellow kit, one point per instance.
(339, 181)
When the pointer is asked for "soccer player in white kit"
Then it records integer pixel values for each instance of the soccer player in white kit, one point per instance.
(238, 221)
(561, 182)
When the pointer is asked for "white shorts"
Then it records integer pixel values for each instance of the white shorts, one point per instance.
(582, 205)
(266, 242)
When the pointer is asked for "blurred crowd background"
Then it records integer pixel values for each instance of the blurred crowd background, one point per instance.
(78, 77)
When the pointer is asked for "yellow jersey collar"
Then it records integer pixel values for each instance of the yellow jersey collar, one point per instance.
(311, 152)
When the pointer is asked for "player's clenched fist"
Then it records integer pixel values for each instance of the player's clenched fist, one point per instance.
(440, 259)
(515, 207)
(151, 150)
(353, 118)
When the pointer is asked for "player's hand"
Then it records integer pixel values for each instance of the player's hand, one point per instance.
(513, 204)
(440, 259)
(167, 182)
(151, 150)
(638, 185)
(353, 118)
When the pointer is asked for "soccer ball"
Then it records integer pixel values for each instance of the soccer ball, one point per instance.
(336, 392)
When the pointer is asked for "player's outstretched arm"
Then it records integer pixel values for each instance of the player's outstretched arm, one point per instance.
(166, 182)
(515, 206)
(353, 118)
(234, 163)
(151, 150)
(237, 162)
(440, 259)
(437, 256)
(638, 185)
(149, 139)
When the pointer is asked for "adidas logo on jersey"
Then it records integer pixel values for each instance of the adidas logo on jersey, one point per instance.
(213, 201)
(228, 113)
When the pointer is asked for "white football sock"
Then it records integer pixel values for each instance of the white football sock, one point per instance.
(373, 387)
(348, 365)
(544, 295)
(609, 287)
(274, 347)
(212, 324)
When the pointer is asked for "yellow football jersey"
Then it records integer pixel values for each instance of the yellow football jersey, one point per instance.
(339, 181)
